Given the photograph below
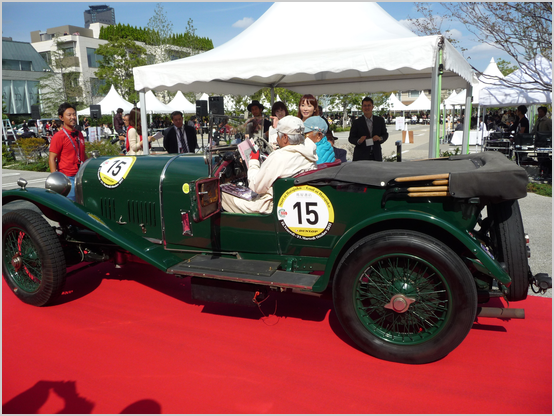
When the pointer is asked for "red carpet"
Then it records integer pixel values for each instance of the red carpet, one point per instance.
(144, 346)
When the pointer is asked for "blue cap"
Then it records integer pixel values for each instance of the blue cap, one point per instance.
(315, 123)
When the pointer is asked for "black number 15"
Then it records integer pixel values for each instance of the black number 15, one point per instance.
(309, 212)
(116, 167)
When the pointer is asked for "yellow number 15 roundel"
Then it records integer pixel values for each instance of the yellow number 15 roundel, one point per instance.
(305, 212)
(113, 171)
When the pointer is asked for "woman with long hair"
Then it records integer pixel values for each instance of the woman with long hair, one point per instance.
(307, 107)
(134, 144)
(278, 111)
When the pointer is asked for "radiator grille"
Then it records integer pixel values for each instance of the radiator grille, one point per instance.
(141, 212)
(107, 207)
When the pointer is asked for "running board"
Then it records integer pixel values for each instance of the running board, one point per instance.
(246, 271)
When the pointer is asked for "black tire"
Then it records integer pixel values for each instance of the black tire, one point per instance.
(33, 261)
(508, 241)
(412, 270)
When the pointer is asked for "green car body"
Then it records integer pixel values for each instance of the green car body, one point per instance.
(165, 210)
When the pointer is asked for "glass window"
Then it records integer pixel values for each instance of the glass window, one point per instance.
(26, 65)
(95, 85)
(93, 58)
(10, 64)
(68, 51)
(414, 94)
(47, 56)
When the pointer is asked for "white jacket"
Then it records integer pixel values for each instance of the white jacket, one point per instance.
(281, 163)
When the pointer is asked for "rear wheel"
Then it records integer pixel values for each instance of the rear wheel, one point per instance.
(508, 241)
(33, 262)
(403, 296)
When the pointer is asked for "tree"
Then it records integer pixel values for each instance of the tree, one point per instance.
(522, 30)
(505, 67)
(119, 57)
(159, 34)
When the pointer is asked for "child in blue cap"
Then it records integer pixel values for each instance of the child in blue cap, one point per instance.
(315, 129)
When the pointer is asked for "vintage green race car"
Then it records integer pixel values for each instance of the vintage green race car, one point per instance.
(410, 251)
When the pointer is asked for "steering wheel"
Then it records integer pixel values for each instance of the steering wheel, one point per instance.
(263, 144)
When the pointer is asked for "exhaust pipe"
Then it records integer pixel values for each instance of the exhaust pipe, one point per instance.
(507, 313)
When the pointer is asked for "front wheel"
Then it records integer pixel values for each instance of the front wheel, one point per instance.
(33, 262)
(403, 296)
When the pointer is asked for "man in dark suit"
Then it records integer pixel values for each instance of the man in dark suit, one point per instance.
(368, 133)
(179, 138)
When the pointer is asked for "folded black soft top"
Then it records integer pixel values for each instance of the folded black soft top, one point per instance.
(489, 175)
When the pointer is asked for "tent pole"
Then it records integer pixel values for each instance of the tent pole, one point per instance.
(479, 125)
(467, 118)
(435, 102)
(142, 100)
(272, 97)
(443, 120)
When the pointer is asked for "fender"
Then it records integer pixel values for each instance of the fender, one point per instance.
(56, 207)
(488, 265)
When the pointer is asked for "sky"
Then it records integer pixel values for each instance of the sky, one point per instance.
(219, 21)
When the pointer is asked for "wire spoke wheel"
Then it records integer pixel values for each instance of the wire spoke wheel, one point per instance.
(33, 261)
(404, 296)
(402, 299)
(22, 260)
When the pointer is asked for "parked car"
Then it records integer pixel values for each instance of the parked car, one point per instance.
(411, 252)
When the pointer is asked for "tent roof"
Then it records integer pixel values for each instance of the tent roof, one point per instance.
(504, 94)
(153, 105)
(180, 103)
(394, 104)
(491, 74)
(109, 104)
(375, 54)
(422, 103)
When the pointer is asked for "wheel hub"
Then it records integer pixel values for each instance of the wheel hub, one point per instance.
(399, 303)
(17, 262)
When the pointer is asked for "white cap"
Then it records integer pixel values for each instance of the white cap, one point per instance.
(290, 125)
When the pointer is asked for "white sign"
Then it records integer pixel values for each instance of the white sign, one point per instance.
(400, 123)
(305, 212)
(113, 171)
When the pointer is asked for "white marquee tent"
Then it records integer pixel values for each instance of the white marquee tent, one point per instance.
(375, 54)
(180, 103)
(393, 104)
(422, 103)
(155, 106)
(109, 104)
(489, 77)
(504, 94)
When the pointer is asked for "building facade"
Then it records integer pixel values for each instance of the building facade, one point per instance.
(22, 69)
(99, 14)
(71, 52)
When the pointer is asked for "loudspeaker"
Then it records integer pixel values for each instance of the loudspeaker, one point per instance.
(35, 112)
(201, 108)
(216, 105)
(95, 112)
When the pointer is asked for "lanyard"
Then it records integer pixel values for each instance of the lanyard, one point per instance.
(74, 148)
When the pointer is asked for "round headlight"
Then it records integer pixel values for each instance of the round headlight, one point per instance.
(58, 183)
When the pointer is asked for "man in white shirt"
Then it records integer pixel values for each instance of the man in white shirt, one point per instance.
(294, 155)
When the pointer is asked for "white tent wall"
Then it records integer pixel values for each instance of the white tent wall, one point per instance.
(375, 54)
(180, 103)
(505, 94)
(109, 104)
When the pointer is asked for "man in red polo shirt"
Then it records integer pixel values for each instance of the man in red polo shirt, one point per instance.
(67, 148)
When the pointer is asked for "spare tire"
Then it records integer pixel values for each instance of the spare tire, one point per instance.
(508, 241)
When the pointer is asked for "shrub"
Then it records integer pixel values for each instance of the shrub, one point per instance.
(8, 156)
(33, 149)
(104, 148)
